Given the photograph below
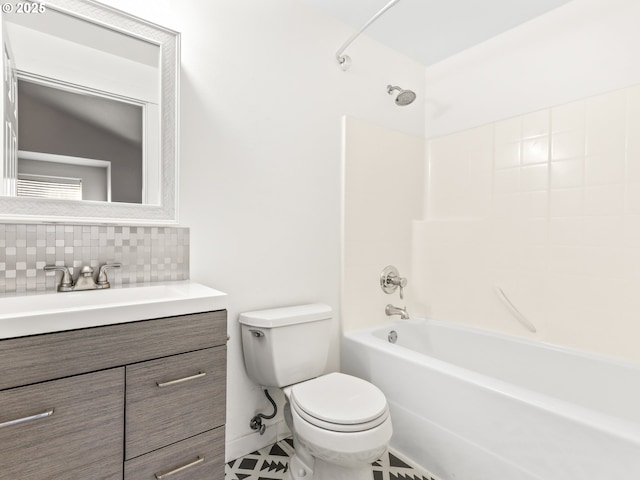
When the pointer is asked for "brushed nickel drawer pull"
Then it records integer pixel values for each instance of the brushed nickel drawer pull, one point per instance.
(166, 474)
(37, 416)
(180, 380)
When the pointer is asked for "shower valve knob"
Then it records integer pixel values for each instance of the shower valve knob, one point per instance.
(390, 280)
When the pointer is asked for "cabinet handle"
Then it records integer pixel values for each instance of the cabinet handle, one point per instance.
(37, 416)
(180, 380)
(168, 473)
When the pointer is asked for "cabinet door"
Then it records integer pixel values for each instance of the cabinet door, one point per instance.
(69, 429)
(197, 458)
(174, 398)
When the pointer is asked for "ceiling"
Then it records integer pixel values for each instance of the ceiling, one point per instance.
(431, 30)
(120, 119)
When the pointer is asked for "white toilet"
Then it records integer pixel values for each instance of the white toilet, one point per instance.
(341, 424)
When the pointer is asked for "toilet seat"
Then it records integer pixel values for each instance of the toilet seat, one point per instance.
(339, 403)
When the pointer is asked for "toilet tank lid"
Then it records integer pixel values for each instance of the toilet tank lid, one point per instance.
(280, 317)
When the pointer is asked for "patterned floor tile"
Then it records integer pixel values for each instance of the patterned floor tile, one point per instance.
(272, 462)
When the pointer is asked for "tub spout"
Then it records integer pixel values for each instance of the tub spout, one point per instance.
(391, 310)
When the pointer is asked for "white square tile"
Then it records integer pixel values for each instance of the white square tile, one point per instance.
(505, 205)
(534, 177)
(509, 130)
(535, 150)
(536, 124)
(534, 231)
(506, 181)
(609, 140)
(534, 204)
(567, 202)
(603, 170)
(567, 173)
(568, 144)
(507, 155)
(604, 200)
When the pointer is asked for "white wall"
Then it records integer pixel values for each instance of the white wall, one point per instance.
(262, 102)
(583, 48)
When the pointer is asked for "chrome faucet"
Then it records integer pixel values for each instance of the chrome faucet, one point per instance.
(85, 280)
(391, 310)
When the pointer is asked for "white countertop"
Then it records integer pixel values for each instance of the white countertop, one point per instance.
(55, 312)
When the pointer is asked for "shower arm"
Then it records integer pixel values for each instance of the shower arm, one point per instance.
(345, 60)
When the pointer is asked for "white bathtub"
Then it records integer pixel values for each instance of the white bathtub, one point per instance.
(467, 404)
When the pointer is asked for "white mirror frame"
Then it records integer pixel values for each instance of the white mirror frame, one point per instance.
(16, 209)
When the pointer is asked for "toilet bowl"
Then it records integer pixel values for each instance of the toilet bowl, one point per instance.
(341, 424)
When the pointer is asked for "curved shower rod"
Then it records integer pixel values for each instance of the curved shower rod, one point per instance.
(345, 60)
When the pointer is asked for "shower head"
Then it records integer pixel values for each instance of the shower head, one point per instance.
(405, 97)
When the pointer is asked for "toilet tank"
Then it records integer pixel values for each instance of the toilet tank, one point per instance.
(283, 346)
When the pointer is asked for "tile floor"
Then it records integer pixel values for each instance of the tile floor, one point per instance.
(272, 462)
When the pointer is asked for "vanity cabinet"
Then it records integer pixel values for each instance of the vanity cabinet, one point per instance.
(135, 401)
(69, 428)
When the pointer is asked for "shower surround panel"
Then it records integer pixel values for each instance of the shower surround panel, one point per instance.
(547, 206)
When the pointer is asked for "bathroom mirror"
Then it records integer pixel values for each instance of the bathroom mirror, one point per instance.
(90, 97)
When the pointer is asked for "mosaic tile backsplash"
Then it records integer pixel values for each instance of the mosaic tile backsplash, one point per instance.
(147, 254)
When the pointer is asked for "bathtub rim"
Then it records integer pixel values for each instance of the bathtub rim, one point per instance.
(603, 422)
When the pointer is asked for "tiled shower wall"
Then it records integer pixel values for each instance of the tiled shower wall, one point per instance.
(147, 254)
(547, 207)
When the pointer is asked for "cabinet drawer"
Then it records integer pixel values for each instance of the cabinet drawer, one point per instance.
(197, 458)
(173, 398)
(39, 358)
(70, 428)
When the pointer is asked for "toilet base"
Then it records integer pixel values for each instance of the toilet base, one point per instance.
(298, 470)
(304, 465)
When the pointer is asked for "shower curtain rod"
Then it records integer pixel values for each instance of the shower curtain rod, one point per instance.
(345, 60)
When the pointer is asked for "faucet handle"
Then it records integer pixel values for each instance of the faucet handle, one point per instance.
(66, 284)
(399, 282)
(390, 280)
(103, 281)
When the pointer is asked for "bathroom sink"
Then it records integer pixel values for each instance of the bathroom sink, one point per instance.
(54, 312)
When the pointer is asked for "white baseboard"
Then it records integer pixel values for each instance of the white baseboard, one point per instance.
(241, 446)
